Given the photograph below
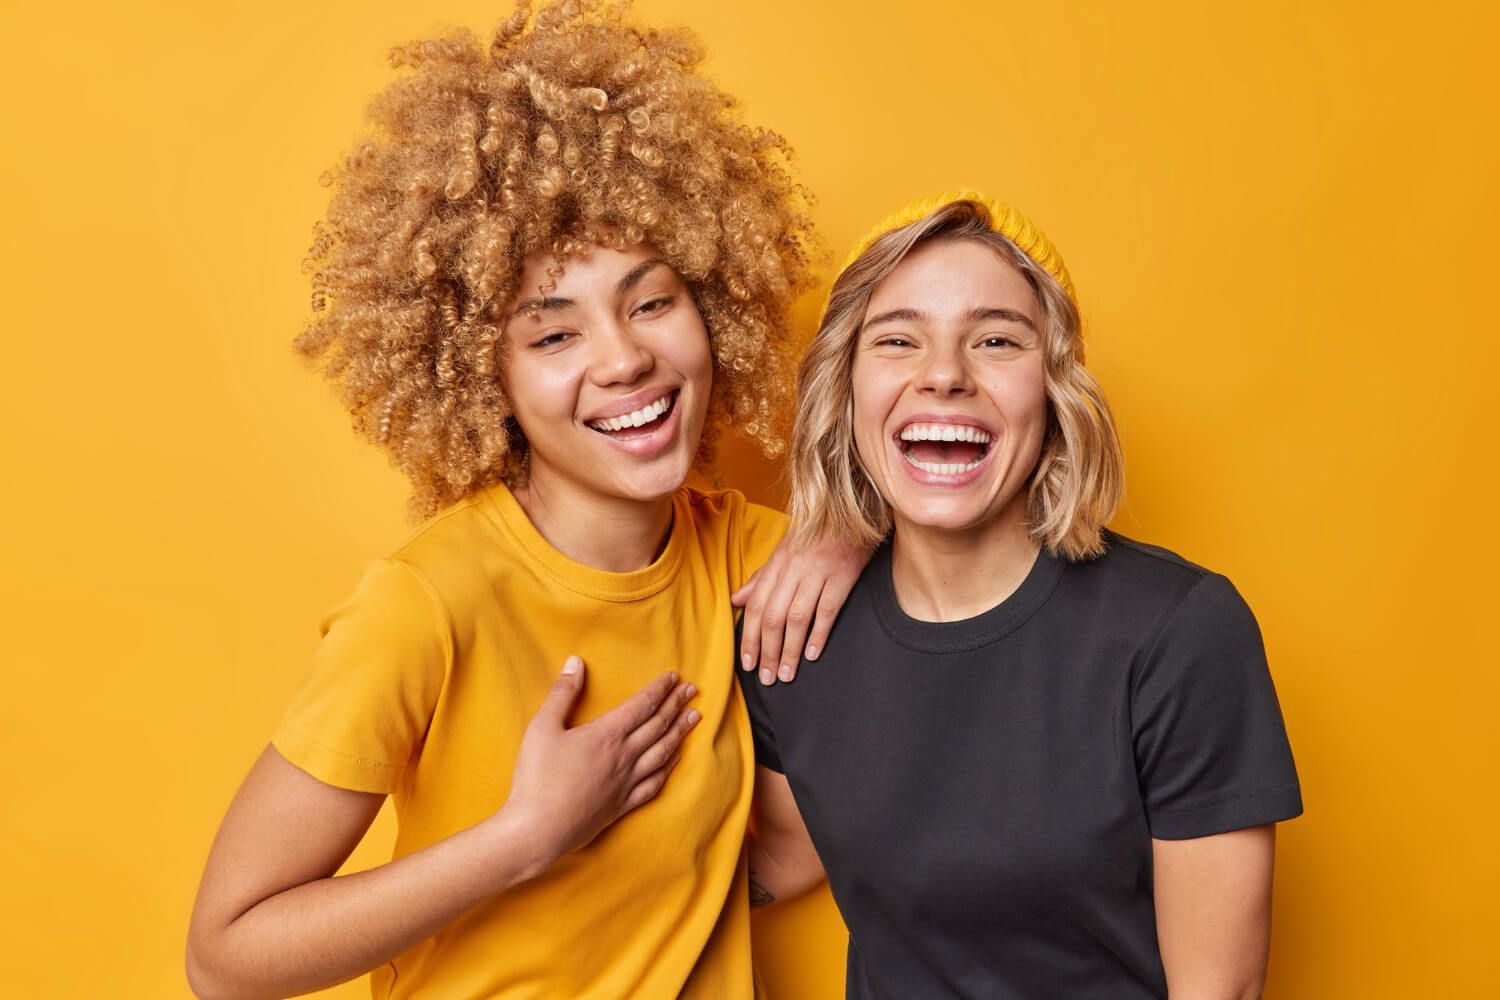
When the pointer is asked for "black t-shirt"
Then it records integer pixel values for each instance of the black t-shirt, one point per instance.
(984, 793)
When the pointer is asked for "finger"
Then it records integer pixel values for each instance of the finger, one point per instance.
(799, 618)
(830, 603)
(740, 597)
(650, 786)
(654, 728)
(773, 627)
(625, 717)
(755, 607)
(660, 753)
(563, 694)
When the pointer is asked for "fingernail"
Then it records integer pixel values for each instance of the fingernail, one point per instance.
(674, 676)
(745, 661)
(785, 673)
(812, 652)
(693, 717)
(571, 665)
(689, 691)
(766, 677)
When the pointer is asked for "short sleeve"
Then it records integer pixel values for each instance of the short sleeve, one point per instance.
(760, 530)
(361, 714)
(1211, 749)
(761, 730)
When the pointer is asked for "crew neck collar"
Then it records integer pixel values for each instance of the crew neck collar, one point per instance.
(968, 633)
(579, 577)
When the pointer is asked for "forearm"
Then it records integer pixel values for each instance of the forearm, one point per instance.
(333, 929)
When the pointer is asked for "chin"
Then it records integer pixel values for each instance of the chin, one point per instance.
(652, 484)
(942, 516)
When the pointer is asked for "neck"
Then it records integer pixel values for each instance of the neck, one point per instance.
(614, 534)
(945, 576)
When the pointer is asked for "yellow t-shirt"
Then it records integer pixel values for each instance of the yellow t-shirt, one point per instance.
(425, 681)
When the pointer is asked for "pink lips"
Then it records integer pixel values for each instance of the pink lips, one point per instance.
(645, 442)
(925, 478)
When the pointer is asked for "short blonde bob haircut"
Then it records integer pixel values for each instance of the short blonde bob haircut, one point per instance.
(1079, 477)
(568, 128)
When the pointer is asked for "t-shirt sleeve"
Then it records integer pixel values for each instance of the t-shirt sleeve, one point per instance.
(361, 714)
(1210, 745)
(760, 531)
(761, 730)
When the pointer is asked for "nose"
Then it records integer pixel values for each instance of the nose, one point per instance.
(945, 373)
(619, 358)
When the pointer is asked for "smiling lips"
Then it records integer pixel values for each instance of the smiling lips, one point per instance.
(944, 449)
(646, 417)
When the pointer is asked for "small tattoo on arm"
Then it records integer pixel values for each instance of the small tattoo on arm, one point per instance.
(759, 894)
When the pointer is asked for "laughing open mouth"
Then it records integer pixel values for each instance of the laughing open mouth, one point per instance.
(944, 449)
(642, 421)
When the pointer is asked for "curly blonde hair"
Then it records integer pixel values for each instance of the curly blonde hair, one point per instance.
(1080, 475)
(570, 129)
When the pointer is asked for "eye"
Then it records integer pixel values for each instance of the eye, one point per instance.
(652, 306)
(893, 340)
(552, 339)
(999, 340)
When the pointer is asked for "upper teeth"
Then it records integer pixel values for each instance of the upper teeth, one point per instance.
(634, 418)
(944, 432)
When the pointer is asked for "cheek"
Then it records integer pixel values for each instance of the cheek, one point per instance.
(873, 397)
(1022, 398)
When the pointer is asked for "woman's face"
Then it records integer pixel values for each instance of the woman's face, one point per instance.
(608, 373)
(950, 404)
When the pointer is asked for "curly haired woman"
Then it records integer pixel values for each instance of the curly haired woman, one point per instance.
(557, 268)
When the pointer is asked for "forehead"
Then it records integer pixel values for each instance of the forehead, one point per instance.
(945, 278)
(585, 274)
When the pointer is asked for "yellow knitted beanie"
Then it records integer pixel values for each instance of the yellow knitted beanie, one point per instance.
(1003, 219)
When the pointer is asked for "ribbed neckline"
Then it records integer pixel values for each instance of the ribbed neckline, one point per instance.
(578, 577)
(969, 633)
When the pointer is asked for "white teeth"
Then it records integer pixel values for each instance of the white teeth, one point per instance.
(634, 418)
(944, 432)
(944, 468)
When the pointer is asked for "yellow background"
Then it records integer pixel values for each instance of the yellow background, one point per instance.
(1281, 218)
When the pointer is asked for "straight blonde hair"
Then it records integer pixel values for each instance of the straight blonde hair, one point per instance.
(1079, 478)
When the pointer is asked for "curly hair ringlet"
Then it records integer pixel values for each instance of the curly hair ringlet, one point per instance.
(570, 129)
(1079, 477)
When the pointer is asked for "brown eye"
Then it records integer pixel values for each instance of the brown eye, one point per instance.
(655, 305)
(552, 339)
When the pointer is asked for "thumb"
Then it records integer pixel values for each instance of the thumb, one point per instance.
(741, 597)
(563, 694)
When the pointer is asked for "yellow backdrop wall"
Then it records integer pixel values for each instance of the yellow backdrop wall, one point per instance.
(1281, 217)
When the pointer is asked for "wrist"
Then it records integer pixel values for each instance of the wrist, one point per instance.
(514, 833)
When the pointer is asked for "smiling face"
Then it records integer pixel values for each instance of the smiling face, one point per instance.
(608, 373)
(950, 403)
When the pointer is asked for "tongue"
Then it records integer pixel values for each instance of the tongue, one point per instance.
(944, 452)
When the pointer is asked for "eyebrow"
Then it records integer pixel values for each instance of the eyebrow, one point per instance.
(636, 274)
(975, 315)
(545, 303)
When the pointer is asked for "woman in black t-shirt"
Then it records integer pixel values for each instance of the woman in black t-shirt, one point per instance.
(1036, 758)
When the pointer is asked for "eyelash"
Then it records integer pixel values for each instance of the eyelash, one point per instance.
(996, 341)
(655, 305)
(648, 308)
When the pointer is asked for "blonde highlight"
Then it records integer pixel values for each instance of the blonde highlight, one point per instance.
(569, 129)
(1079, 477)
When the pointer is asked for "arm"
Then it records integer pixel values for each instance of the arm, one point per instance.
(783, 862)
(791, 602)
(272, 920)
(1213, 913)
